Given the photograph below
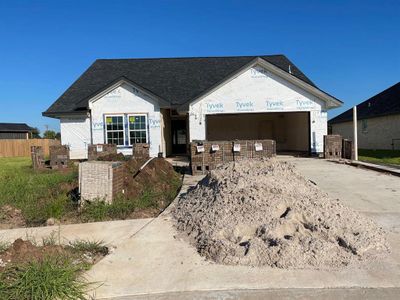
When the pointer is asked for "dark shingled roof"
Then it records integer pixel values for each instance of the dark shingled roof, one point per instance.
(383, 104)
(14, 127)
(175, 80)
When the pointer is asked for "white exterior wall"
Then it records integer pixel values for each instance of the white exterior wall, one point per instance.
(75, 132)
(258, 90)
(126, 99)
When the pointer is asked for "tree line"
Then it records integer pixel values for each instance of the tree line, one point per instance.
(47, 134)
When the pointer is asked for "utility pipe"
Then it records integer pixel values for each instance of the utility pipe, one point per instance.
(355, 142)
(143, 166)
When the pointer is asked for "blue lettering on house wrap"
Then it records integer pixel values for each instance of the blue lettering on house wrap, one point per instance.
(305, 104)
(244, 106)
(215, 107)
(97, 125)
(154, 123)
(274, 104)
(114, 94)
(258, 73)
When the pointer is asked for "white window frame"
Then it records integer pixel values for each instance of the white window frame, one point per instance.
(129, 129)
(106, 130)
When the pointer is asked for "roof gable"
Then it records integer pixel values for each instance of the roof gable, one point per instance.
(385, 103)
(174, 80)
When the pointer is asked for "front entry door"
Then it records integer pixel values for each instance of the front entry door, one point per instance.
(179, 134)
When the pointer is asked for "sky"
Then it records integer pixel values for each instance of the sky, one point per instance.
(350, 49)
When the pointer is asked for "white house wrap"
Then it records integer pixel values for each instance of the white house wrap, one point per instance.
(258, 91)
(170, 102)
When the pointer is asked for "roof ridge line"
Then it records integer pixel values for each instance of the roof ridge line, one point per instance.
(188, 57)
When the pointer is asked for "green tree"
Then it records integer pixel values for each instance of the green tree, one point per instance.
(49, 134)
(35, 133)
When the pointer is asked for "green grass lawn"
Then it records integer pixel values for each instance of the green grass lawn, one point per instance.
(391, 157)
(39, 194)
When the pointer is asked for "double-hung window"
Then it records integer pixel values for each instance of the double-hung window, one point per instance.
(137, 129)
(115, 133)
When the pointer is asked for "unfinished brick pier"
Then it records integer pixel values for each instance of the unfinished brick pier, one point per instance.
(206, 155)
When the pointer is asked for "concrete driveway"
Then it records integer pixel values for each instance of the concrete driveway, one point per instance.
(153, 263)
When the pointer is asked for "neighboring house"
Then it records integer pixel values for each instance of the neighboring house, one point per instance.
(169, 102)
(378, 125)
(14, 131)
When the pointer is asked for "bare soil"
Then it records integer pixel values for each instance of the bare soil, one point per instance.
(24, 251)
(11, 217)
(157, 176)
(21, 252)
(264, 213)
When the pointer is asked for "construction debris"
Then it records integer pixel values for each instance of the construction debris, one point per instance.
(264, 213)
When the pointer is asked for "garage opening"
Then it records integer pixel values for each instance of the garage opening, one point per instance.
(290, 130)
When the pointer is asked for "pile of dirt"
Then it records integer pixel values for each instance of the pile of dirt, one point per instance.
(24, 251)
(112, 157)
(11, 217)
(157, 177)
(264, 213)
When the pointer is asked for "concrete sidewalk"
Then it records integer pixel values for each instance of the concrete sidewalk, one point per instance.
(111, 233)
(394, 170)
(278, 294)
(153, 262)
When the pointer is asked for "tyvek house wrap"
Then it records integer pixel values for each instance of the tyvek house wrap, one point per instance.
(257, 91)
(75, 132)
(125, 100)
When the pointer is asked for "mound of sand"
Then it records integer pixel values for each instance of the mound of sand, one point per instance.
(264, 213)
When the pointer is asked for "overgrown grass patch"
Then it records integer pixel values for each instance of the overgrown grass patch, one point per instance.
(48, 271)
(391, 157)
(54, 277)
(87, 246)
(120, 208)
(38, 194)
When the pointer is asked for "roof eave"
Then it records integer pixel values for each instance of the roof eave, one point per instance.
(57, 115)
(363, 118)
(302, 84)
(13, 130)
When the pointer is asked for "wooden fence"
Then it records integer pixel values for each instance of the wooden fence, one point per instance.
(14, 148)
